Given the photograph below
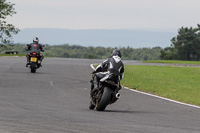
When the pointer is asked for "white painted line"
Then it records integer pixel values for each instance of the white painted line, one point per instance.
(190, 105)
(51, 83)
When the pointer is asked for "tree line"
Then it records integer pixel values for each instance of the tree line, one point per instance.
(184, 46)
(76, 51)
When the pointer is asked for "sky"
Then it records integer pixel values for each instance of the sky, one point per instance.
(162, 15)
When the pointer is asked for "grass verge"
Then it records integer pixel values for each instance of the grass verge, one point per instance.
(177, 83)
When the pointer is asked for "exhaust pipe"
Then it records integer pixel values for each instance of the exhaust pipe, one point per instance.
(115, 97)
(118, 95)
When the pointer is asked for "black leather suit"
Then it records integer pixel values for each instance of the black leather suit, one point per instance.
(34, 47)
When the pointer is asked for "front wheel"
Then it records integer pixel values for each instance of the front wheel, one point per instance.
(104, 100)
(91, 106)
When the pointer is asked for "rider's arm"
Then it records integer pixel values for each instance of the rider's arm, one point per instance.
(122, 72)
(41, 48)
(28, 46)
(98, 68)
(122, 69)
(101, 66)
(104, 64)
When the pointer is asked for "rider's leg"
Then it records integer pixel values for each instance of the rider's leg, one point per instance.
(41, 58)
(28, 60)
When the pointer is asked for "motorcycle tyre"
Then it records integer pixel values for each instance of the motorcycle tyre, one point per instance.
(105, 99)
(33, 67)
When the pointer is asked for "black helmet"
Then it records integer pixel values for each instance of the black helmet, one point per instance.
(116, 52)
(36, 39)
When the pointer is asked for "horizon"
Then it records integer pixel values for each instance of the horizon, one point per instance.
(92, 37)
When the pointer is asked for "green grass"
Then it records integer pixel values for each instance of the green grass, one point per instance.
(172, 61)
(177, 83)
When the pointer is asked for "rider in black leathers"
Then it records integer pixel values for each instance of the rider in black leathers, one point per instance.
(34, 47)
(113, 63)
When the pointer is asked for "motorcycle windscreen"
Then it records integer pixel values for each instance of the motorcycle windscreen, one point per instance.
(33, 59)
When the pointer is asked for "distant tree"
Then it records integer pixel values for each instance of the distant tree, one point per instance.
(6, 30)
(185, 46)
(169, 53)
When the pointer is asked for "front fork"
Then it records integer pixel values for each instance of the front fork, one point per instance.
(95, 96)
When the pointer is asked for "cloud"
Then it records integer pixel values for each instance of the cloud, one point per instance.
(106, 14)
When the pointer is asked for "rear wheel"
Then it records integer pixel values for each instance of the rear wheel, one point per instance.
(33, 70)
(104, 100)
(33, 67)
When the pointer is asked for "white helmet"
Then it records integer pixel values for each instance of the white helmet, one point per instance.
(36, 39)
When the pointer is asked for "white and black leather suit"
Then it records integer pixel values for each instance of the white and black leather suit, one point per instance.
(111, 65)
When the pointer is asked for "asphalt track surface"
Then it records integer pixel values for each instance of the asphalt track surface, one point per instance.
(55, 100)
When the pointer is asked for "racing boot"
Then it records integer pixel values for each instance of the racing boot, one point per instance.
(28, 63)
(39, 63)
